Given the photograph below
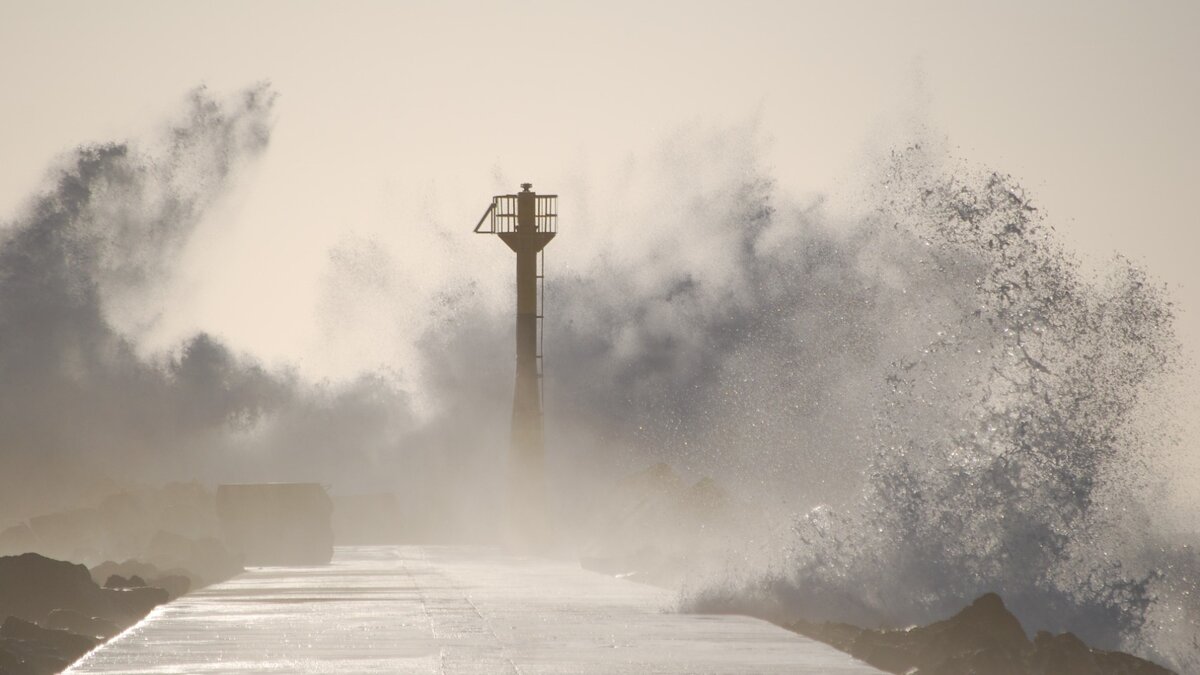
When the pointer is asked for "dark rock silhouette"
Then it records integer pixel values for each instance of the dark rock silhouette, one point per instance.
(116, 581)
(65, 644)
(1064, 654)
(32, 585)
(128, 605)
(54, 611)
(107, 569)
(81, 624)
(982, 639)
(26, 657)
(10, 662)
(175, 581)
(984, 636)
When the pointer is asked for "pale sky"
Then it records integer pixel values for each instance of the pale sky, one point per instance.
(391, 112)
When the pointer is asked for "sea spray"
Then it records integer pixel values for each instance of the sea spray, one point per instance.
(944, 359)
(1012, 452)
(85, 411)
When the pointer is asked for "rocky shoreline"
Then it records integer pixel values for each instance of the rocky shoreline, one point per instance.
(982, 639)
(173, 539)
(643, 512)
(54, 611)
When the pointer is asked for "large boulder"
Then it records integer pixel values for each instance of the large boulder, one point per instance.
(32, 585)
(1063, 654)
(81, 624)
(22, 657)
(982, 639)
(10, 660)
(66, 645)
(117, 581)
(133, 573)
(985, 630)
(129, 605)
(984, 624)
(107, 569)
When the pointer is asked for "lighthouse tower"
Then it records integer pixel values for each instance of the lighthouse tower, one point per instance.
(526, 222)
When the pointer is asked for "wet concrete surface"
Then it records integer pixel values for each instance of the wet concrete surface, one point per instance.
(449, 610)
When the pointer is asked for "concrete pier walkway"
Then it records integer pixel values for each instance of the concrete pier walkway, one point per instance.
(446, 610)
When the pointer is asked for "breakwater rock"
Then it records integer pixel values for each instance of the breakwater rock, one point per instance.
(52, 612)
(982, 639)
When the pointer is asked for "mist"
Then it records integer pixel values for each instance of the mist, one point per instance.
(83, 269)
(831, 372)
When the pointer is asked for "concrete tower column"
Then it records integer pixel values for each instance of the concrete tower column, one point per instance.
(528, 522)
